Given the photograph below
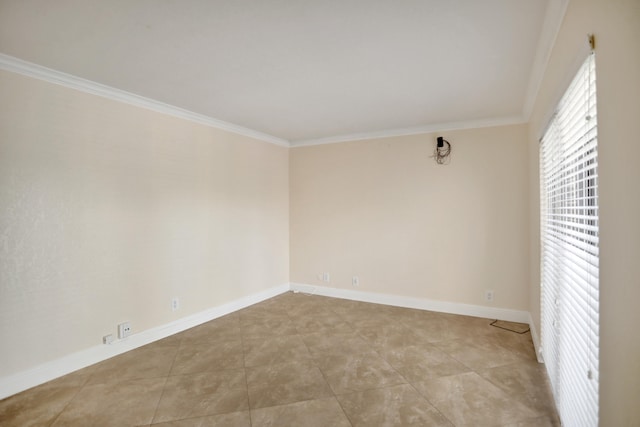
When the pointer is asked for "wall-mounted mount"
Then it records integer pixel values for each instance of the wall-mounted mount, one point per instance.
(442, 151)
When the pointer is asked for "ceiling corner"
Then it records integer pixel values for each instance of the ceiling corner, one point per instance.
(553, 18)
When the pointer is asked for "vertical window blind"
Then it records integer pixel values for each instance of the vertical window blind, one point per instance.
(569, 250)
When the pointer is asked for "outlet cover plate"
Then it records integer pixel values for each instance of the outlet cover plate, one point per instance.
(488, 296)
(124, 330)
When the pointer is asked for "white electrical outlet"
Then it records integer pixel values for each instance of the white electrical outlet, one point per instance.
(107, 339)
(355, 281)
(175, 304)
(326, 277)
(124, 330)
(488, 296)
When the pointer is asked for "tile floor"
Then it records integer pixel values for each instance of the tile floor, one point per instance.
(298, 360)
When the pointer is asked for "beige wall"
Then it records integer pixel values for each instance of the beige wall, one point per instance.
(383, 210)
(108, 211)
(616, 25)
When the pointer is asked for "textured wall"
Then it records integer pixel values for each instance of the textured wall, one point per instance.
(383, 210)
(108, 211)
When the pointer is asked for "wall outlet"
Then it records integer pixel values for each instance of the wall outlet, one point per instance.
(488, 296)
(355, 281)
(124, 330)
(175, 304)
(326, 277)
(107, 339)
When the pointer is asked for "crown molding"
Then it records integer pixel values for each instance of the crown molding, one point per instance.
(554, 15)
(436, 127)
(19, 66)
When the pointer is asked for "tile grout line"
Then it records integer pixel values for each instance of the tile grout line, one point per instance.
(416, 390)
(377, 341)
(431, 403)
(244, 369)
(335, 396)
(407, 382)
(166, 379)
(53, 421)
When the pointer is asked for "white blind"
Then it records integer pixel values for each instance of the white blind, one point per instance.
(569, 244)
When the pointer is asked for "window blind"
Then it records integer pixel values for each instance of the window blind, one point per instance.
(569, 250)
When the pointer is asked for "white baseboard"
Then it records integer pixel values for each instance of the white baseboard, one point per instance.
(536, 339)
(40, 374)
(431, 305)
(48, 371)
(418, 303)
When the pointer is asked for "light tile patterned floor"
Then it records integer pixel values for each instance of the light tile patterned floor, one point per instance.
(298, 360)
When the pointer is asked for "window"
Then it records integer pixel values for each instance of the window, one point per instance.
(569, 250)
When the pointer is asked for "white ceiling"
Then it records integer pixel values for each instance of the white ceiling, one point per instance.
(298, 70)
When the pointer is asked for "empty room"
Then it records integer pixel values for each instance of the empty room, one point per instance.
(333, 213)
